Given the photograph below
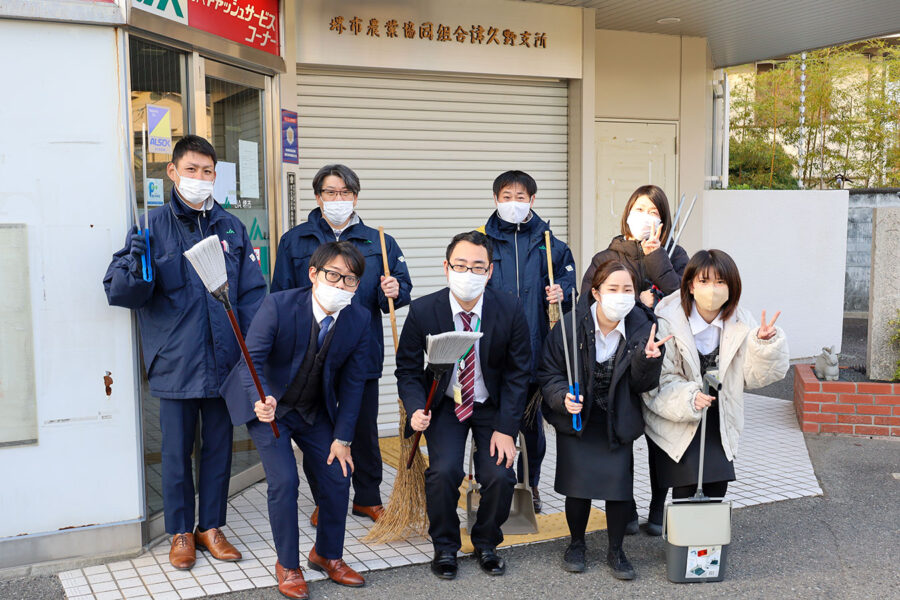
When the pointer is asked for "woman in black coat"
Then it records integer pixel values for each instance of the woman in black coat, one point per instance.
(618, 359)
(646, 227)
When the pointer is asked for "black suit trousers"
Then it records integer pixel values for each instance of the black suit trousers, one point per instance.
(446, 439)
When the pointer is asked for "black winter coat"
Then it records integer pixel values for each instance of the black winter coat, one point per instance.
(633, 374)
(651, 269)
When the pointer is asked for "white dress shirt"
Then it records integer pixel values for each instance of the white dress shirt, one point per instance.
(481, 393)
(706, 335)
(606, 345)
(319, 312)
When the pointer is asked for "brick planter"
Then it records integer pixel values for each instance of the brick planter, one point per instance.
(858, 408)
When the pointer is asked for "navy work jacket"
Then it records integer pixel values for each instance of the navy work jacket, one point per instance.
(187, 341)
(292, 271)
(520, 269)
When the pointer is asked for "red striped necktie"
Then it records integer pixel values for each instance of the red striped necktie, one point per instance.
(467, 376)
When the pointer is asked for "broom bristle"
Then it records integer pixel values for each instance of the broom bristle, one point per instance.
(448, 347)
(404, 516)
(208, 259)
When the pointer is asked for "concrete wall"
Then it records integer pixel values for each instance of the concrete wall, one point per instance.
(652, 77)
(884, 301)
(797, 270)
(859, 245)
(63, 175)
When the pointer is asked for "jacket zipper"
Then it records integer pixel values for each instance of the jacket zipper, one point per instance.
(516, 243)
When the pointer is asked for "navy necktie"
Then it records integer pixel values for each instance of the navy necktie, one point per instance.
(324, 326)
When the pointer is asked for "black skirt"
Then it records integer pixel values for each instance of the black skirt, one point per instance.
(587, 468)
(716, 466)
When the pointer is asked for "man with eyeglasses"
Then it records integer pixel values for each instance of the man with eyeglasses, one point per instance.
(311, 349)
(337, 189)
(517, 235)
(484, 393)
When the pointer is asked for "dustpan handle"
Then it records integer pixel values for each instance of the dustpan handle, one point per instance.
(699, 493)
(524, 454)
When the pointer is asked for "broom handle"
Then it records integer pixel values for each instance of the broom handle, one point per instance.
(549, 256)
(387, 273)
(418, 436)
(246, 353)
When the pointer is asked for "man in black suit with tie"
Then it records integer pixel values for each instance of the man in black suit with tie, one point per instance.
(311, 347)
(485, 392)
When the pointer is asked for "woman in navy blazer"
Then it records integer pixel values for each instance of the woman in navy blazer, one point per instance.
(310, 348)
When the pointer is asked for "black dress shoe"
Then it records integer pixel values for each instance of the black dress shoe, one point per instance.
(536, 500)
(632, 528)
(620, 565)
(489, 562)
(444, 565)
(573, 559)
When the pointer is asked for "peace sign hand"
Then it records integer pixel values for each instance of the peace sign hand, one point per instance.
(653, 346)
(767, 330)
(652, 243)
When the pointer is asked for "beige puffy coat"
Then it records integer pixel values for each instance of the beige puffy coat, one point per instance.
(744, 361)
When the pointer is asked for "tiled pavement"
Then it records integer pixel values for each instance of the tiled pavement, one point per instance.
(773, 464)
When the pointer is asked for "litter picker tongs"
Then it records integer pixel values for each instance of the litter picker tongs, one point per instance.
(711, 383)
(573, 384)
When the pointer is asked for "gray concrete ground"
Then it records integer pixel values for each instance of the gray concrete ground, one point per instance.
(840, 545)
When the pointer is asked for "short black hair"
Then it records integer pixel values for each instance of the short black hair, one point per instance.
(350, 179)
(712, 263)
(515, 178)
(473, 237)
(330, 250)
(192, 143)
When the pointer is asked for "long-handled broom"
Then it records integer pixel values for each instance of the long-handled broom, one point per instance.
(404, 515)
(208, 259)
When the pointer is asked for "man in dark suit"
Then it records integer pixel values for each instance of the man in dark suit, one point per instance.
(311, 347)
(485, 392)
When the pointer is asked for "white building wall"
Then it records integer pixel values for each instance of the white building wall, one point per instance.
(62, 173)
(790, 248)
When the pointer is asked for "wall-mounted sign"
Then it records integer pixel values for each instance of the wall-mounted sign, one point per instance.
(253, 23)
(486, 35)
(290, 151)
(159, 125)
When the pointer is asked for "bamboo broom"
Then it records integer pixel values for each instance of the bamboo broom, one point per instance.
(404, 516)
(553, 309)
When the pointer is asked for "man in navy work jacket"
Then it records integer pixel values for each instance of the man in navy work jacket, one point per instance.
(485, 392)
(337, 190)
(520, 268)
(188, 344)
(310, 349)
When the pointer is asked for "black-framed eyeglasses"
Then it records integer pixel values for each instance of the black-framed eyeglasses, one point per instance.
(334, 277)
(477, 269)
(332, 194)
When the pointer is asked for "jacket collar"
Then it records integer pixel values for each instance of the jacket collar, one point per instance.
(630, 248)
(182, 211)
(498, 228)
(354, 231)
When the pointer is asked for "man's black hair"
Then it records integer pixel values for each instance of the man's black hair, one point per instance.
(350, 179)
(193, 143)
(328, 251)
(473, 237)
(515, 178)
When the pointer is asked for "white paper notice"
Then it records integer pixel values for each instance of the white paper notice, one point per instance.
(248, 158)
(225, 188)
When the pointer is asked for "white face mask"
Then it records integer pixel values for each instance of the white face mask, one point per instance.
(466, 286)
(337, 211)
(194, 191)
(512, 211)
(331, 298)
(640, 224)
(616, 306)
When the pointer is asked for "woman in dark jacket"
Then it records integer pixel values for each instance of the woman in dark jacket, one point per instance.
(618, 359)
(646, 228)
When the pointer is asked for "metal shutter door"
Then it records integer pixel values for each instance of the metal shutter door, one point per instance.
(427, 149)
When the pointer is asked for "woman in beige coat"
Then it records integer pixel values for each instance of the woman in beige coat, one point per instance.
(711, 330)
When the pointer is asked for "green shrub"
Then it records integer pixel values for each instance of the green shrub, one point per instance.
(895, 340)
(750, 166)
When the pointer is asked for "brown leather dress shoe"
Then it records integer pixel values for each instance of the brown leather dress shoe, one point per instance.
(336, 569)
(314, 518)
(214, 542)
(291, 583)
(373, 512)
(183, 554)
